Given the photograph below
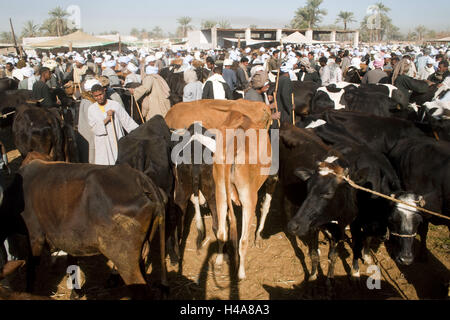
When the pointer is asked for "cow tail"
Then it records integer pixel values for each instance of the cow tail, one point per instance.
(70, 144)
(156, 194)
(231, 216)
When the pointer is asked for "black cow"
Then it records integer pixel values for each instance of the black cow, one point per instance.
(43, 130)
(379, 133)
(306, 167)
(8, 84)
(351, 98)
(148, 149)
(176, 83)
(88, 210)
(423, 165)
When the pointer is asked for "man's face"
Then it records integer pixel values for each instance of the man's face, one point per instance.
(100, 97)
(9, 67)
(310, 56)
(47, 75)
(210, 65)
(442, 68)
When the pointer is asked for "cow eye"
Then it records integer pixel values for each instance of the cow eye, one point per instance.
(328, 196)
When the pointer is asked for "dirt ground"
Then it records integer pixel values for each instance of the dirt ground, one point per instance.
(277, 271)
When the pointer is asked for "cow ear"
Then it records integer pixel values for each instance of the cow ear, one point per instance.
(303, 174)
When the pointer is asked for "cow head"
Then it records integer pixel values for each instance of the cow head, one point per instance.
(403, 224)
(322, 184)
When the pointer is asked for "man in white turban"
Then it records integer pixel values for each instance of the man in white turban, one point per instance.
(79, 70)
(132, 77)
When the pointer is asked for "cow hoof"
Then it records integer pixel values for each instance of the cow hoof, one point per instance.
(330, 288)
(312, 277)
(259, 242)
(76, 294)
(356, 275)
(114, 281)
(242, 275)
(367, 259)
(200, 240)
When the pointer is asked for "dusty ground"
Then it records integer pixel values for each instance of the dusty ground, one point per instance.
(276, 271)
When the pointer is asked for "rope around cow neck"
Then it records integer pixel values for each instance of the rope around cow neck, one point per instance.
(356, 186)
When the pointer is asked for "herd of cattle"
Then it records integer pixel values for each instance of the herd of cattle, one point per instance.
(367, 133)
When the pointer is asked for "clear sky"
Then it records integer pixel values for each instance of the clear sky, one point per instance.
(122, 15)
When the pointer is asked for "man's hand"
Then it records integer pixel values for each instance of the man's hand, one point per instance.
(276, 115)
(109, 116)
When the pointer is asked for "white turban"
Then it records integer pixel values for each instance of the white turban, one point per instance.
(98, 60)
(51, 64)
(151, 70)
(90, 83)
(80, 59)
(228, 62)
(150, 59)
(248, 50)
(356, 63)
(27, 72)
(132, 68)
(124, 60)
(159, 55)
(110, 63)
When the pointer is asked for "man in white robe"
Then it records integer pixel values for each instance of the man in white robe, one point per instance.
(107, 119)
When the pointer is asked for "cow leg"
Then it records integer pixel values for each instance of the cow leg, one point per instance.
(221, 203)
(199, 223)
(313, 247)
(357, 246)
(36, 243)
(264, 212)
(366, 251)
(332, 255)
(423, 232)
(248, 212)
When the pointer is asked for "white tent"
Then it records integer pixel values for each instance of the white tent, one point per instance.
(297, 38)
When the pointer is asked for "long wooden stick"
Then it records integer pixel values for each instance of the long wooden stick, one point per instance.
(139, 109)
(293, 109)
(275, 95)
(114, 131)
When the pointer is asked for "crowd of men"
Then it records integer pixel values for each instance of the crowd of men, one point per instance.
(233, 73)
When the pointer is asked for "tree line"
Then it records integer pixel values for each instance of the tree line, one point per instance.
(308, 16)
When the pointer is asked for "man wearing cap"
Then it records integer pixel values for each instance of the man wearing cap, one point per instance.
(42, 91)
(259, 85)
(229, 75)
(307, 72)
(426, 71)
(28, 79)
(155, 91)
(79, 70)
(325, 72)
(193, 89)
(132, 76)
(85, 139)
(108, 120)
(110, 73)
(376, 75)
(284, 95)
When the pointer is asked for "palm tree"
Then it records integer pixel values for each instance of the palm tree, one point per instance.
(58, 16)
(48, 27)
(346, 17)
(6, 37)
(309, 16)
(208, 24)
(157, 32)
(224, 24)
(134, 32)
(420, 31)
(30, 29)
(184, 23)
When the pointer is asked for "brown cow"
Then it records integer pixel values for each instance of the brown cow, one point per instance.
(87, 210)
(239, 179)
(213, 113)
